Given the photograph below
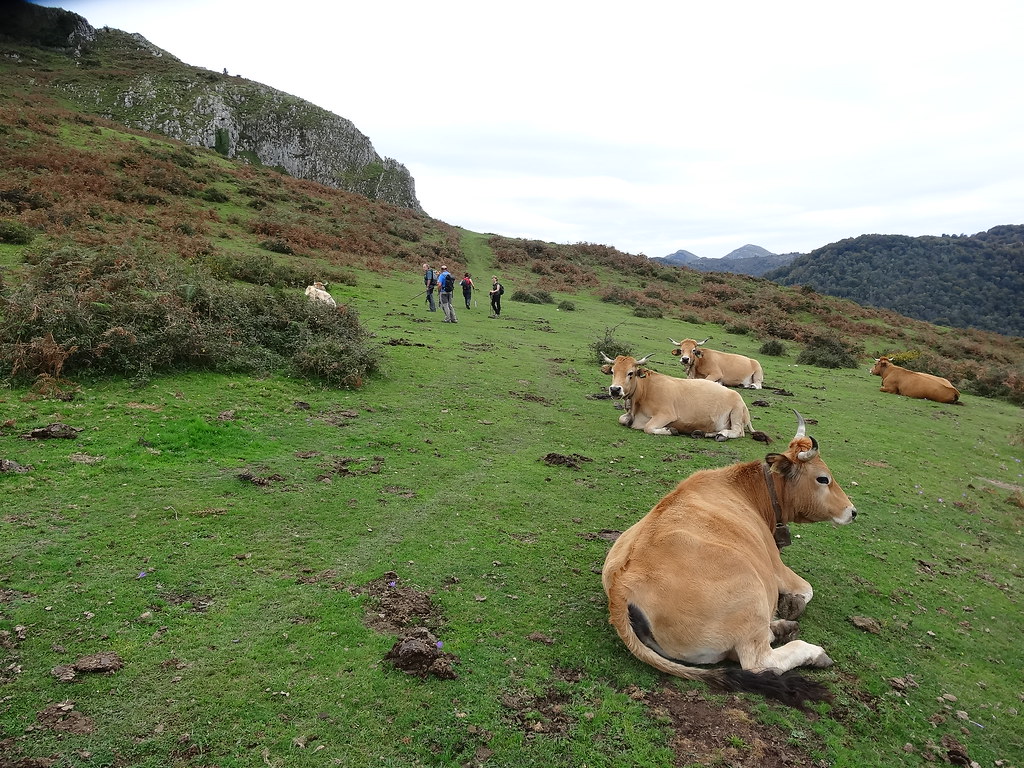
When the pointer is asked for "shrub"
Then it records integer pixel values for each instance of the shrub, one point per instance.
(610, 346)
(214, 195)
(647, 312)
(15, 233)
(124, 313)
(773, 348)
(532, 297)
(740, 329)
(828, 352)
(277, 245)
(567, 306)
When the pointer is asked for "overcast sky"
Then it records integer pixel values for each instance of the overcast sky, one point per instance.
(653, 125)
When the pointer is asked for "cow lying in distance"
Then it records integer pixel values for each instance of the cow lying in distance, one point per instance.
(317, 292)
(665, 405)
(901, 381)
(724, 367)
(699, 580)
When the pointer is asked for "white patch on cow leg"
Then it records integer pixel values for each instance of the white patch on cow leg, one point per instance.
(795, 654)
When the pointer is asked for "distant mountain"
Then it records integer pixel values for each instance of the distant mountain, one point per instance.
(748, 260)
(679, 258)
(974, 281)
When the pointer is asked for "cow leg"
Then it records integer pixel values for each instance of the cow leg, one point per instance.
(759, 656)
(797, 653)
(659, 425)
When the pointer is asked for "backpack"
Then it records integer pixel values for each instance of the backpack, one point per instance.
(447, 283)
(501, 289)
(430, 279)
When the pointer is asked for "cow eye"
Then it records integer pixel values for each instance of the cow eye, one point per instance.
(824, 479)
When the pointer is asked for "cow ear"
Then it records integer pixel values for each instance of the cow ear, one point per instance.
(781, 463)
(677, 352)
(641, 372)
(697, 353)
(606, 369)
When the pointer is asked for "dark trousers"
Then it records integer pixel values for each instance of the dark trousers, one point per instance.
(496, 304)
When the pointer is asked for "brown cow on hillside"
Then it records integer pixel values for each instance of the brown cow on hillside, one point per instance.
(724, 367)
(901, 381)
(666, 405)
(699, 580)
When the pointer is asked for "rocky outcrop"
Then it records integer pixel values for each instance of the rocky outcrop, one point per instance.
(127, 79)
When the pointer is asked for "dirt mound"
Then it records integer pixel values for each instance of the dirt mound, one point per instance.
(419, 653)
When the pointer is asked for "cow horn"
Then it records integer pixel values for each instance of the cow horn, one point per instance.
(801, 431)
(702, 343)
(801, 425)
(674, 342)
(606, 358)
(643, 360)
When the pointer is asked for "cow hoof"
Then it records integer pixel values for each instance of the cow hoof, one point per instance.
(822, 661)
(790, 606)
(785, 631)
(696, 433)
(721, 438)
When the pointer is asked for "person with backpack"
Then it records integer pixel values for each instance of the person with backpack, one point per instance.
(429, 282)
(445, 288)
(467, 288)
(497, 289)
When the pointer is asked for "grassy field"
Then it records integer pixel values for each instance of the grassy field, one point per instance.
(245, 545)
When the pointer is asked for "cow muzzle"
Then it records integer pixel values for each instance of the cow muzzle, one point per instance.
(848, 516)
(615, 392)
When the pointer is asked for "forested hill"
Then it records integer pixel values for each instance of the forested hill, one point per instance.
(974, 281)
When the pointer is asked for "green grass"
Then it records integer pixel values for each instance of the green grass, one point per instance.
(236, 607)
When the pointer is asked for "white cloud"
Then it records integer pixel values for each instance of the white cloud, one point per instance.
(655, 125)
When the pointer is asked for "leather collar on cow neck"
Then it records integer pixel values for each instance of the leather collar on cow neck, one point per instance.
(781, 532)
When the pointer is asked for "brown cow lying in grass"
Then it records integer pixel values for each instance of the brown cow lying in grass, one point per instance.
(699, 579)
(728, 369)
(901, 381)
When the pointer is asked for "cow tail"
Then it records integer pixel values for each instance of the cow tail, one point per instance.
(790, 688)
(627, 619)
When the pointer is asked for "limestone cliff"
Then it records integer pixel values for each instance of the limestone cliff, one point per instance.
(125, 78)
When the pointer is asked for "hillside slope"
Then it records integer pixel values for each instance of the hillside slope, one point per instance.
(124, 77)
(972, 281)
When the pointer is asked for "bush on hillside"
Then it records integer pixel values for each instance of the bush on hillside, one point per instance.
(532, 297)
(567, 306)
(123, 313)
(826, 351)
(610, 346)
(773, 348)
(15, 233)
(647, 312)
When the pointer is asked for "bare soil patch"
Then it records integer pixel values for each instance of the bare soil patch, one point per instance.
(575, 461)
(707, 733)
(394, 609)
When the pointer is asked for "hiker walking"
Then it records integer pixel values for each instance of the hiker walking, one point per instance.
(446, 287)
(497, 289)
(429, 282)
(467, 288)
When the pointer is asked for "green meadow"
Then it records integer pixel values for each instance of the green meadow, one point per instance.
(234, 539)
